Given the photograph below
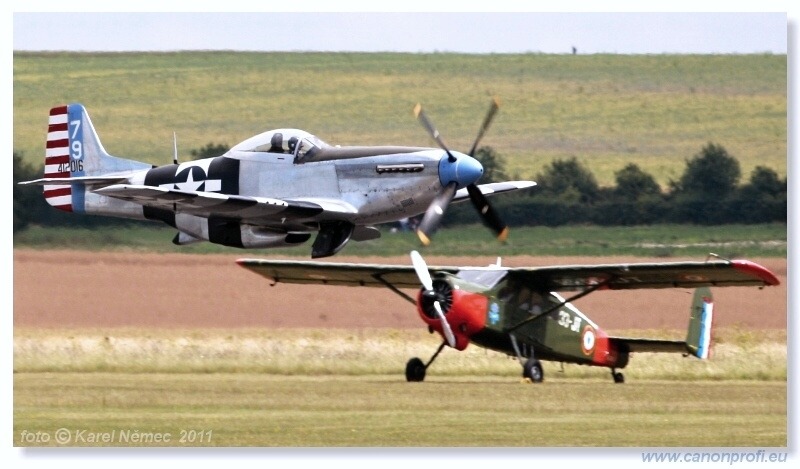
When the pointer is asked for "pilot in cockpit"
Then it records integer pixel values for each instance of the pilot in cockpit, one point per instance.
(277, 143)
(292, 144)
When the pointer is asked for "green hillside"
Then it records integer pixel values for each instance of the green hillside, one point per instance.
(607, 110)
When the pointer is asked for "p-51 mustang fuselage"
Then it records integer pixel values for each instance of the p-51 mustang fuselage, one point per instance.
(272, 190)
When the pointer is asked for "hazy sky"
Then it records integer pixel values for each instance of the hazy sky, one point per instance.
(487, 32)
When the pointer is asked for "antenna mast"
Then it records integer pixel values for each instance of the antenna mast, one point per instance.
(174, 148)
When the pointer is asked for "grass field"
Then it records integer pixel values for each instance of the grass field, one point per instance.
(768, 240)
(300, 388)
(249, 409)
(606, 110)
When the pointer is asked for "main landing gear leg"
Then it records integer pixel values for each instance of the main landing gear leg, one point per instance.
(532, 367)
(618, 376)
(415, 368)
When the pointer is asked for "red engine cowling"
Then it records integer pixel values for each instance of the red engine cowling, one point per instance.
(464, 311)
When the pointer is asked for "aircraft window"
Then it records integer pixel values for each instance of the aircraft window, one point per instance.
(487, 278)
(531, 301)
(506, 294)
(275, 145)
(285, 141)
(307, 148)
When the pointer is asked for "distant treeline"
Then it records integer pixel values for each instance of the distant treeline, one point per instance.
(709, 192)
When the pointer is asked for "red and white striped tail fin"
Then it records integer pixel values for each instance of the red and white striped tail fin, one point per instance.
(57, 159)
(76, 162)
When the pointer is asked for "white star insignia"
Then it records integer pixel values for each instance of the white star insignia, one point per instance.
(190, 184)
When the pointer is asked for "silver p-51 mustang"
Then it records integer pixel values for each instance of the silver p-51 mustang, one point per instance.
(272, 190)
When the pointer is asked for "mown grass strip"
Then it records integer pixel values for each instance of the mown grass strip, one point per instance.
(731, 241)
(279, 411)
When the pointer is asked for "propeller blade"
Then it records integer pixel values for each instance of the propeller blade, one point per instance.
(448, 333)
(420, 115)
(485, 126)
(421, 268)
(488, 214)
(433, 216)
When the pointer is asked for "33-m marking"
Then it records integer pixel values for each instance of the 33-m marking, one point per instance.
(566, 320)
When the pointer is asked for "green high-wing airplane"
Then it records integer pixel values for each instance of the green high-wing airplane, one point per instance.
(521, 312)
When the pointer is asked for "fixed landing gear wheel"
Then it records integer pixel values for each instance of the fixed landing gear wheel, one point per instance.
(533, 370)
(618, 377)
(415, 370)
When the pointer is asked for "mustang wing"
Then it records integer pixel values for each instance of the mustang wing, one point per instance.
(332, 273)
(647, 275)
(213, 203)
(494, 188)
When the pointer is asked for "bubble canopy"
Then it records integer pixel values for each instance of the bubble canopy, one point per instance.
(281, 141)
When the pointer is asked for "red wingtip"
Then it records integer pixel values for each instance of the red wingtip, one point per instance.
(756, 270)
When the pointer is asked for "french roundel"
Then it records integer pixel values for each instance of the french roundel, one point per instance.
(587, 340)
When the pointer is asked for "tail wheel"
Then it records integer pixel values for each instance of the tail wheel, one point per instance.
(415, 370)
(533, 370)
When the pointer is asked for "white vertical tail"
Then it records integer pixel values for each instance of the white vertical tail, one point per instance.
(698, 337)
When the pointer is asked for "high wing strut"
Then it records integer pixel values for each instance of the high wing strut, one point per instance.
(391, 287)
(591, 289)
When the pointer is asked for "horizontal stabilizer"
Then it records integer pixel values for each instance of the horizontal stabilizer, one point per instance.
(86, 180)
(698, 336)
(650, 345)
